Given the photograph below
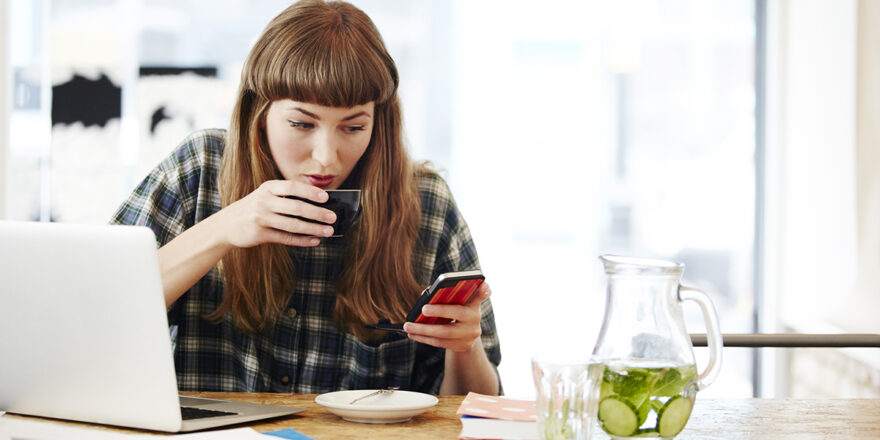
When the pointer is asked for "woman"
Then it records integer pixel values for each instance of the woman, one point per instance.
(259, 300)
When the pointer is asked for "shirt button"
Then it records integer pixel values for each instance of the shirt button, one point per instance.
(291, 313)
(285, 379)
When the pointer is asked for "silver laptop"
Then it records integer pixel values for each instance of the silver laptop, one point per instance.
(84, 332)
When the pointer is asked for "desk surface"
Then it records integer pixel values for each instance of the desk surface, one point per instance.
(712, 418)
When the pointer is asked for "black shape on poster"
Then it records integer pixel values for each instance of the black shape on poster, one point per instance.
(158, 116)
(92, 102)
(208, 71)
(165, 97)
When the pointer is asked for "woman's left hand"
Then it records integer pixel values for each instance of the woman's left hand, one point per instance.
(459, 335)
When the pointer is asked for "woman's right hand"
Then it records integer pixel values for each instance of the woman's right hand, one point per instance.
(262, 216)
(265, 216)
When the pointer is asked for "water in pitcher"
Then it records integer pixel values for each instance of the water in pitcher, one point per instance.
(646, 398)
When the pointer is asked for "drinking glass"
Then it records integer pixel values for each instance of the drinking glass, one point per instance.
(567, 397)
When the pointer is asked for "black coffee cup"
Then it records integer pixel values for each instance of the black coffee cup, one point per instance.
(345, 203)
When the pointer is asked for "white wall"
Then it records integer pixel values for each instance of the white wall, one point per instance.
(812, 124)
(5, 103)
(867, 293)
(823, 165)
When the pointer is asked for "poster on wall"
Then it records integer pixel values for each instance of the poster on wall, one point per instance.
(172, 102)
(94, 163)
(85, 167)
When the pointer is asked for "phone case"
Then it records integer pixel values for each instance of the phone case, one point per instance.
(448, 288)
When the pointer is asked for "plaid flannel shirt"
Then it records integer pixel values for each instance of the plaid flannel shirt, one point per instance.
(303, 352)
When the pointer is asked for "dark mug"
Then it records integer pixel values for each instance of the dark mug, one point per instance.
(345, 203)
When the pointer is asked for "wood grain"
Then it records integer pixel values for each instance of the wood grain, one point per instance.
(784, 419)
(437, 423)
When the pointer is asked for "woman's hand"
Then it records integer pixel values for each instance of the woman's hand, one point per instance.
(264, 216)
(461, 335)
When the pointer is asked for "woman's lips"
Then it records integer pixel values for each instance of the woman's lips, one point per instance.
(319, 180)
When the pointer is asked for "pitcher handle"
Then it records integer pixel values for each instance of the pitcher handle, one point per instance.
(713, 333)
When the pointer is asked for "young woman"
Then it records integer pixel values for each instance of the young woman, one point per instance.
(261, 301)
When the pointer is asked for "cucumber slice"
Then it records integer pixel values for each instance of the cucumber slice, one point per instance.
(618, 417)
(673, 416)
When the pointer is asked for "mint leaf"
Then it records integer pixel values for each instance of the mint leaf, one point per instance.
(644, 410)
(632, 384)
(672, 383)
(565, 406)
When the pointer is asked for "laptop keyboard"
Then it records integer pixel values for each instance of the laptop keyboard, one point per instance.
(190, 413)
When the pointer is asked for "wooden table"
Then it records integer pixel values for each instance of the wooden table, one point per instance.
(440, 422)
(712, 419)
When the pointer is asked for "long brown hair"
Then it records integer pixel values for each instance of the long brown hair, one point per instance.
(331, 54)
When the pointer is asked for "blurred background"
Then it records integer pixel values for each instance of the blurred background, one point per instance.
(739, 137)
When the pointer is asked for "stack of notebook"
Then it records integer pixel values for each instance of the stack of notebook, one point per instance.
(492, 417)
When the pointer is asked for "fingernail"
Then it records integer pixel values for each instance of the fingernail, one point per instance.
(330, 218)
(426, 310)
(323, 196)
(328, 232)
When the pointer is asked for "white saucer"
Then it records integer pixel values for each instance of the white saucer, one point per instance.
(395, 407)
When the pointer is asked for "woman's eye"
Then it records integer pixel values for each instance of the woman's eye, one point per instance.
(354, 128)
(299, 124)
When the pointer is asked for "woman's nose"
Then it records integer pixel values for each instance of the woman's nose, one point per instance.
(324, 150)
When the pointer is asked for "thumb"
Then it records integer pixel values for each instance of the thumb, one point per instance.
(483, 293)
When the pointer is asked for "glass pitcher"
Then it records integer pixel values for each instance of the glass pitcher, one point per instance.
(650, 376)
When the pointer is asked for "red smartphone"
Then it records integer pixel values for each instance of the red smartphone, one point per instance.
(448, 288)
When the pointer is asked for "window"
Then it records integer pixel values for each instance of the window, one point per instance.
(623, 128)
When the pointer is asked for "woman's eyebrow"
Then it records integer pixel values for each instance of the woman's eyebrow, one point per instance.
(307, 113)
(318, 118)
(361, 113)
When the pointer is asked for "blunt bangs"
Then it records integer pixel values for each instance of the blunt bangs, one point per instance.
(333, 62)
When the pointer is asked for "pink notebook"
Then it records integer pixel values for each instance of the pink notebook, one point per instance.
(493, 417)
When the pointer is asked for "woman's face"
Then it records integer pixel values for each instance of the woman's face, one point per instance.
(316, 144)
